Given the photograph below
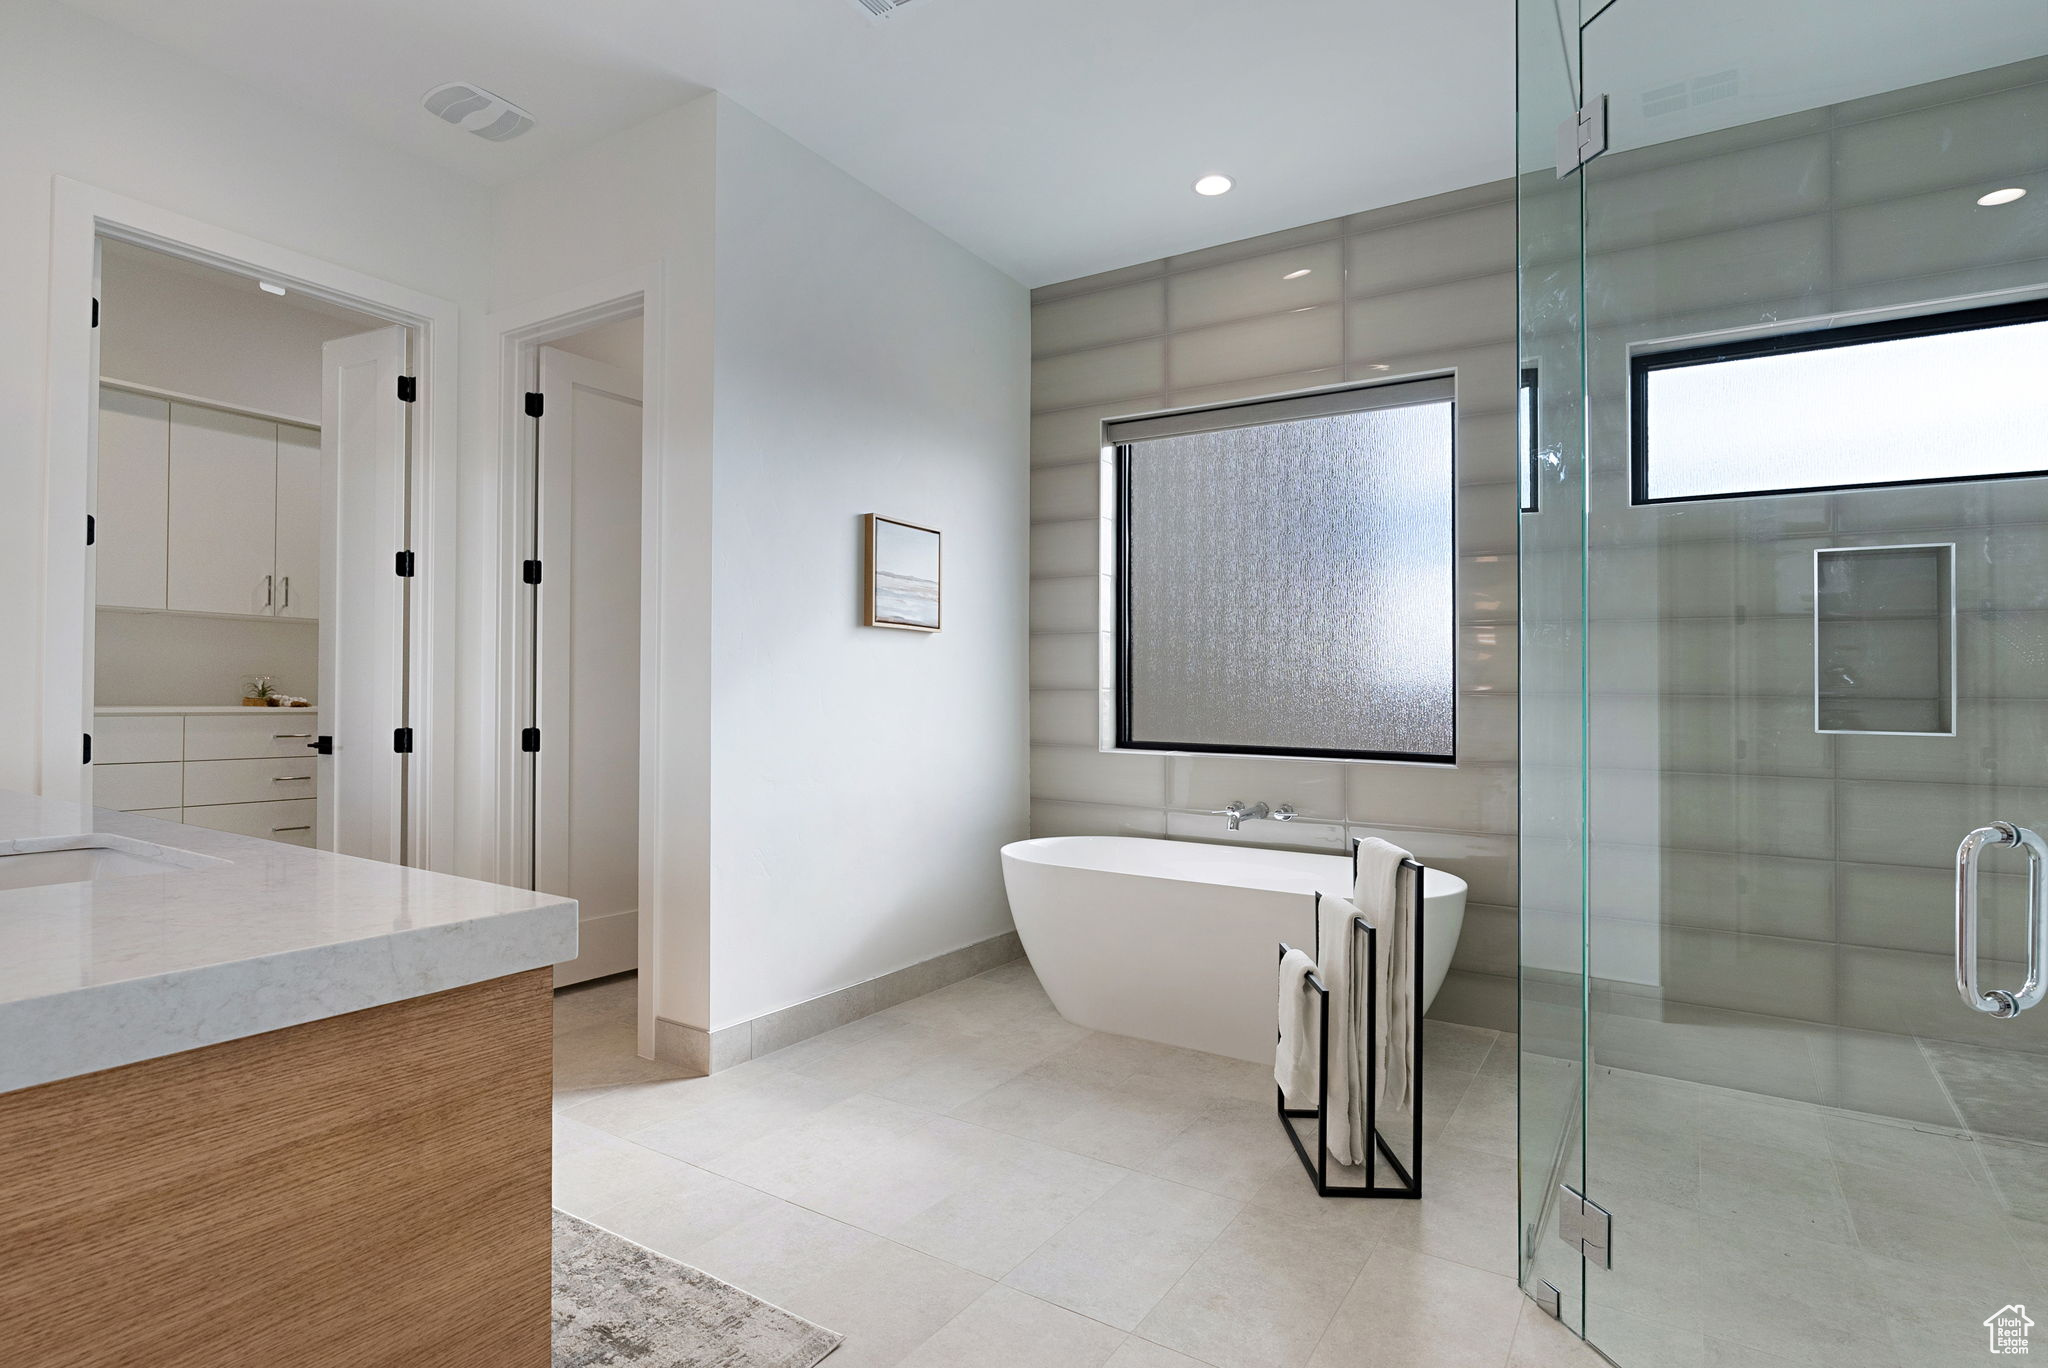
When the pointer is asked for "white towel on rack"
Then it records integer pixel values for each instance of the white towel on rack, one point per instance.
(1377, 892)
(1294, 1060)
(1344, 1099)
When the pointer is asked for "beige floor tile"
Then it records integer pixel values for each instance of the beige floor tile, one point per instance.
(865, 1160)
(886, 1300)
(594, 1170)
(1124, 1122)
(1115, 1260)
(1017, 1194)
(592, 1058)
(1467, 1210)
(1262, 1294)
(1138, 1353)
(1455, 1048)
(1773, 1188)
(1543, 1342)
(1410, 1310)
(1485, 1116)
(690, 1209)
(738, 1112)
(779, 1252)
(1234, 1148)
(1005, 1328)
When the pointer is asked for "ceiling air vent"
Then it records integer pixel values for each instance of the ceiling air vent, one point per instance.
(492, 117)
(884, 9)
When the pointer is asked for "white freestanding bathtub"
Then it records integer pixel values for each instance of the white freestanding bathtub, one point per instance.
(1177, 941)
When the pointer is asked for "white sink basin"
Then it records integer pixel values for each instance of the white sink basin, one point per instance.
(84, 859)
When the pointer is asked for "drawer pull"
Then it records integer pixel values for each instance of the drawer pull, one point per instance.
(292, 779)
(291, 736)
(307, 827)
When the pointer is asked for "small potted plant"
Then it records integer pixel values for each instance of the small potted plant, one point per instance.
(259, 691)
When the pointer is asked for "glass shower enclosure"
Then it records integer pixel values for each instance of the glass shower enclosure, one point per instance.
(1784, 661)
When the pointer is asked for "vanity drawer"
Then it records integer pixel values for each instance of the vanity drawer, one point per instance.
(247, 781)
(125, 740)
(265, 732)
(289, 822)
(130, 788)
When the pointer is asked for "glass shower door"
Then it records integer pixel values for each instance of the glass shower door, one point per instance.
(1814, 592)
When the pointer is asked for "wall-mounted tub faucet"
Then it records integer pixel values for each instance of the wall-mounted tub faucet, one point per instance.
(1239, 814)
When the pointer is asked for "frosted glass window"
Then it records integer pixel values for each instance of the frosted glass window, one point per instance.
(1954, 396)
(1286, 576)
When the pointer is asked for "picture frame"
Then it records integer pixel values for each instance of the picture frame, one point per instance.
(905, 576)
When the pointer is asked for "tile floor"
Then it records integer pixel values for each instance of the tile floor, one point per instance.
(968, 1180)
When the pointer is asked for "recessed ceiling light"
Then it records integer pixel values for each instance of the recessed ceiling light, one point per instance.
(269, 287)
(2005, 196)
(1214, 185)
(1296, 275)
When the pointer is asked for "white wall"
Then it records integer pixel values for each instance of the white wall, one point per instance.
(639, 201)
(85, 100)
(831, 797)
(178, 326)
(862, 779)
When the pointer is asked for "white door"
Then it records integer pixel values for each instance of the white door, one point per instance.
(363, 463)
(223, 512)
(132, 513)
(298, 522)
(587, 781)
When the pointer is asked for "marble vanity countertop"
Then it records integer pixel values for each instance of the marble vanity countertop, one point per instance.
(163, 709)
(122, 969)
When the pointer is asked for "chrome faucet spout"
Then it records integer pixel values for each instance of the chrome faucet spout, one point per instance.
(1237, 814)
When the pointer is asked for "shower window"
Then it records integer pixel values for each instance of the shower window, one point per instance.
(1285, 574)
(1921, 400)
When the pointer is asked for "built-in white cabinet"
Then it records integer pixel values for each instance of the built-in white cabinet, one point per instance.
(298, 522)
(206, 510)
(245, 770)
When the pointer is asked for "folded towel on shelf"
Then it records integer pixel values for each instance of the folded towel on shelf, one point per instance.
(1294, 1061)
(1344, 1098)
(1377, 893)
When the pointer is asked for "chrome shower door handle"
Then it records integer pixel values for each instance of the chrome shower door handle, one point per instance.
(1996, 1001)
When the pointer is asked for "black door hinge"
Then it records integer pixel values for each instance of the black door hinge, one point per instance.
(408, 388)
(529, 740)
(324, 745)
(95, 312)
(529, 572)
(88, 748)
(533, 404)
(92, 530)
(401, 740)
(405, 564)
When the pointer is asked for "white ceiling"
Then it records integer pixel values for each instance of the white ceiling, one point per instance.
(1054, 138)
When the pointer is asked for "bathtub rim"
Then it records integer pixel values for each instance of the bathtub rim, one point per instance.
(1434, 885)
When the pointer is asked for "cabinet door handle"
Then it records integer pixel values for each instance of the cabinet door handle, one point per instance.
(307, 827)
(287, 592)
(291, 779)
(270, 591)
(291, 736)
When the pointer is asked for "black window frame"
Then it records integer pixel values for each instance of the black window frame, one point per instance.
(1643, 364)
(1122, 633)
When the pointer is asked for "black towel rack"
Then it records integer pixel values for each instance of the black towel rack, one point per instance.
(1407, 1177)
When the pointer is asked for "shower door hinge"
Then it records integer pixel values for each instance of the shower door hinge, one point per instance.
(1584, 1225)
(529, 572)
(1582, 137)
(401, 740)
(533, 404)
(1549, 1298)
(529, 740)
(404, 564)
(408, 389)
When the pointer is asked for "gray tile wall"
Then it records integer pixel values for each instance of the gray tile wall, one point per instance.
(1742, 861)
(1411, 289)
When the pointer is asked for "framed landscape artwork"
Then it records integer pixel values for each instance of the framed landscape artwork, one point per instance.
(903, 575)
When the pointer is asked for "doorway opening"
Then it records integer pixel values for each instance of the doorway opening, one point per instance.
(252, 562)
(578, 781)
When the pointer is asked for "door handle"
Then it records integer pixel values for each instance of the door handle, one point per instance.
(1996, 1001)
(287, 585)
(270, 591)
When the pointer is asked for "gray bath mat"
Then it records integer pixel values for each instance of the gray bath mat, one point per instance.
(617, 1304)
